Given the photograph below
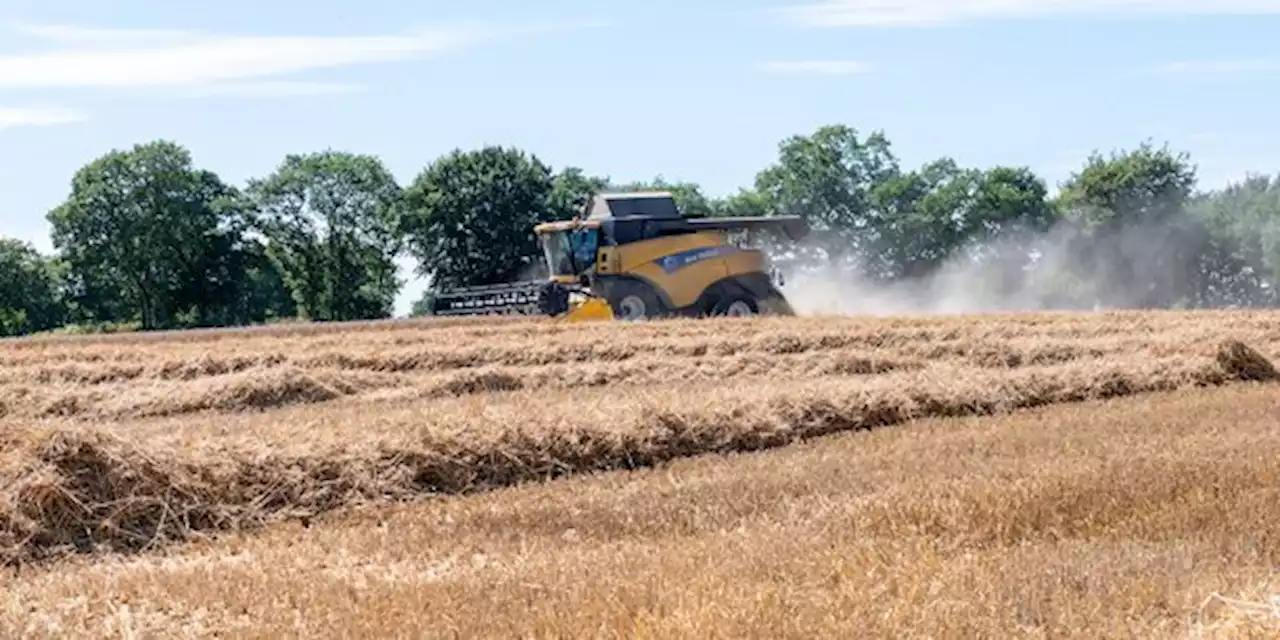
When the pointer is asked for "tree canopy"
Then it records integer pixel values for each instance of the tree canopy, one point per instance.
(145, 237)
(29, 296)
(148, 237)
(471, 215)
(332, 224)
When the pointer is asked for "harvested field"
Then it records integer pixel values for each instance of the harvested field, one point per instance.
(132, 443)
(1155, 516)
(123, 442)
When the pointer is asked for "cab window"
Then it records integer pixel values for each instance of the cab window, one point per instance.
(584, 243)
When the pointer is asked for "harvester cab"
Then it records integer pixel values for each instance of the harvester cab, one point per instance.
(633, 256)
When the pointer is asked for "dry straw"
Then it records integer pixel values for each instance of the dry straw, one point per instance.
(75, 487)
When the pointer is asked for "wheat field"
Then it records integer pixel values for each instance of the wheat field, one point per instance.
(1034, 475)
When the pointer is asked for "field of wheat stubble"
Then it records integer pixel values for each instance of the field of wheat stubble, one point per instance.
(1044, 474)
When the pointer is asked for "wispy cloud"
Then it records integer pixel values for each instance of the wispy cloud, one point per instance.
(1217, 67)
(73, 34)
(171, 59)
(829, 67)
(931, 13)
(105, 58)
(273, 89)
(195, 64)
(15, 117)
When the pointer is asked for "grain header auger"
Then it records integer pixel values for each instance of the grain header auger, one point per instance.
(633, 256)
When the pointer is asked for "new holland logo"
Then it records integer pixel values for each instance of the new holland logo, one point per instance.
(683, 259)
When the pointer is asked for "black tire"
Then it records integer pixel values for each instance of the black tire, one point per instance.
(776, 304)
(740, 304)
(634, 301)
(553, 299)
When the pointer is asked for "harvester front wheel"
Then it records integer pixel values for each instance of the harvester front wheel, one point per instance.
(553, 299)
(633, 301)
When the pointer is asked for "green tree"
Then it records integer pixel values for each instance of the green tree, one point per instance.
(829, 177)
(1243, 219)
(943, 212)
(743, 203)
(1012, 201)
(144, 238)
(30, 300)
(921, 218)
(1137, 242)
(422, 306)
(470, 216)
(570, 190)
(263, 292)
(1011, 215)
(332, 221)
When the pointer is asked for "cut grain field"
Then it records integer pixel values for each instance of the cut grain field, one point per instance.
(1008, 497)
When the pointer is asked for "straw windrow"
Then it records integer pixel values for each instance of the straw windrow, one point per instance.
(79, 487)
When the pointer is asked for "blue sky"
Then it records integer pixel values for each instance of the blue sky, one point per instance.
(628, 89)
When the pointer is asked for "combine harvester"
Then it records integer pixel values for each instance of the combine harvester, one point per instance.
(634, 257)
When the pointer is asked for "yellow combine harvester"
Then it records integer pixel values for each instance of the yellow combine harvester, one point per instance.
(633, 256)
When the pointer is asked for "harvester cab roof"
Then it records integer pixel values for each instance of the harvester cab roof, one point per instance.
(646, 204)
(633, 216)
(612, 207)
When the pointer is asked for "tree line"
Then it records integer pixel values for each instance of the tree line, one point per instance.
(146, 239)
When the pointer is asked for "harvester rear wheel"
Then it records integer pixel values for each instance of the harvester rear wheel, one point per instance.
(736, 305)
(778, 306)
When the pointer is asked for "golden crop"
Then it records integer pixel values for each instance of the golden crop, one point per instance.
(127, 443)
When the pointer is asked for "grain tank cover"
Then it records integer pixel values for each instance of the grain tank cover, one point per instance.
(650, 204)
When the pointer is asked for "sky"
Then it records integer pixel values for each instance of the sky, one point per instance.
(632, 90)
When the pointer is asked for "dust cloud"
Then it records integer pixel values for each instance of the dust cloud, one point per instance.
(1041, 271)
